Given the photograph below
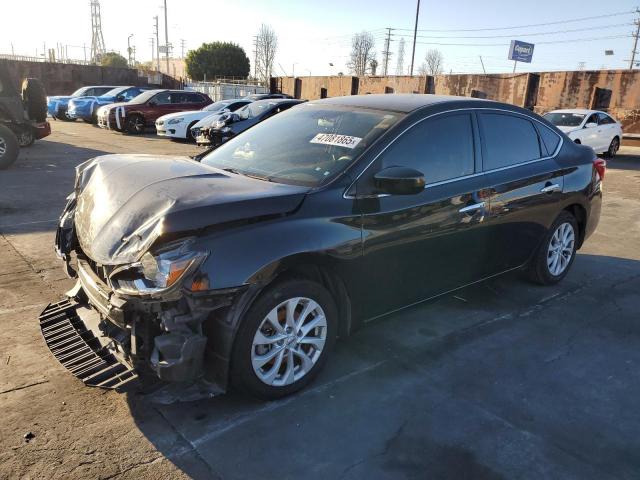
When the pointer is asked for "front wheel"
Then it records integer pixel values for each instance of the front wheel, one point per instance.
(614, 146)
(555, 255)
(284, 339)
(134, 124)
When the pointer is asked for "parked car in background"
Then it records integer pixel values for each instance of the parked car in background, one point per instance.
(594, 128)
(265, 96)
(142, 112)
(178, 125)
(246, 267)
(230, 124)
(23, 115)
(86, 107)
(57, 105)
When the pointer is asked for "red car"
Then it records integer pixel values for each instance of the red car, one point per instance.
(141, 112)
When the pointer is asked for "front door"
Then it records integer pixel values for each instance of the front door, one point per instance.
(417, 246)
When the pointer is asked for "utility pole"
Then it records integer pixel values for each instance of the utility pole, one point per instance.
(166, 35)
(157, 43)
(255, 57)
(152, 42)
(183, 42)
(129, 50)
(635, 40)
(386, 53)
(482, 63)
(415, 34)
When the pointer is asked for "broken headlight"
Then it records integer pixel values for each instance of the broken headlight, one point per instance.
(157, 273)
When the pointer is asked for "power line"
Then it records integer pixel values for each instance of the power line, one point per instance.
(538, 43)
(628, 12)
(520, 34)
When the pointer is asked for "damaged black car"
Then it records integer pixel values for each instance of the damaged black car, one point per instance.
(243, 269)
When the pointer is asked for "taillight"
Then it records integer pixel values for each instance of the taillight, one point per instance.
(600, 166)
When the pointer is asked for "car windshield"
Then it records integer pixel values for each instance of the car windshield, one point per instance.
(114, 91)
(565, 119)
(144, 96)
(80, 91)
(214, 107)
(306, 145)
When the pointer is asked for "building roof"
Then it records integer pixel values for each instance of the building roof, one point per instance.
(397, 102)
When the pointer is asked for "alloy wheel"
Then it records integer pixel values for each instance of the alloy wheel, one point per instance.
(560, 249)
(289, 341)
(3, 147)
(613, 148)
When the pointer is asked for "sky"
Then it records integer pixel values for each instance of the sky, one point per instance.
(313, 34)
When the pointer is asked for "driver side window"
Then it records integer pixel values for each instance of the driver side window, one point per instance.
(441, 148)
(593, 118)
(162, 98)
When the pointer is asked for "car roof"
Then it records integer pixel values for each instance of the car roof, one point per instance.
(581, 111)
(277, 101)
(397, 102)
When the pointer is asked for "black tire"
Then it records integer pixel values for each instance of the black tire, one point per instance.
(9, 147)
(34, 99)
(61, 114)
(190, 137)
(26, 137)
(243, 375)
(134, 124)
(613, 148)
(539, 270)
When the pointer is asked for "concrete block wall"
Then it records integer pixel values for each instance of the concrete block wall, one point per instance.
(63, 79)
(540, 92)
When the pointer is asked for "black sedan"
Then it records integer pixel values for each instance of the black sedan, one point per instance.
(230, 124)
(246, 267)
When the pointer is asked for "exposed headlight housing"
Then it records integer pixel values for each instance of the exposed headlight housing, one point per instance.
(219, 124)
(173, 121)
(157, 273)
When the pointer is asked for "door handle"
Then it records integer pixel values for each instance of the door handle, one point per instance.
(471, 208)
(551, 188)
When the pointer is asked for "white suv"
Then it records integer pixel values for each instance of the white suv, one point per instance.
(589, 127)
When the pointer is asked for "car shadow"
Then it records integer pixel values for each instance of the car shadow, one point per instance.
(503, 376)
(624, 161)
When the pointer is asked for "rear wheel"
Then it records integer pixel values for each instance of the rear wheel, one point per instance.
(284, 339)
(34, 99)
(134, 124)
(9, 147)
(555, 255)
(614, 146)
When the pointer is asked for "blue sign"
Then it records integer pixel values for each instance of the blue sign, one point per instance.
(520, 51)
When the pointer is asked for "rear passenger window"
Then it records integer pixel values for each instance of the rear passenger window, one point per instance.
(549, 138)
(441, 148)
(508, 140)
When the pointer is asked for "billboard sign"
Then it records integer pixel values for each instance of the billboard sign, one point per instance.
(520, 51)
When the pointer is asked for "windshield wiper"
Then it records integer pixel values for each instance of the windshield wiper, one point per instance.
(238, 172)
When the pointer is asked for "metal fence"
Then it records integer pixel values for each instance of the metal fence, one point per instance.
(24, 58)
(224, 90)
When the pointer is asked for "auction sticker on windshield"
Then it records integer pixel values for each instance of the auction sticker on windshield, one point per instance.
(335, 139)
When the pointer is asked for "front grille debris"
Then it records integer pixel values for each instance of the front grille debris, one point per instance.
(79, 351)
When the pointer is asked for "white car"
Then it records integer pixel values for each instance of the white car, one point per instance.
(178, 125)
(589, 127)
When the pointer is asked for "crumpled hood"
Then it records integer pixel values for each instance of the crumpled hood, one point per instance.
(124, 202)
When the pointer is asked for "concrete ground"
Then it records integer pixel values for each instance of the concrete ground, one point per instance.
(502, 380)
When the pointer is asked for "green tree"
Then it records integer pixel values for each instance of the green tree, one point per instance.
(217, 59)
(113, 59)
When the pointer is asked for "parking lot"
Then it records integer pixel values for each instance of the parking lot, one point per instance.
(501, 380)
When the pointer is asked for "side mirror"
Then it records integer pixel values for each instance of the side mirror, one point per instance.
(399, 181)
(120, 98)
(591, 125)
(152, 103)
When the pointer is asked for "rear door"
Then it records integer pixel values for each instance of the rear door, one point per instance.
(417, 246)
(525, 184)
(609, 129)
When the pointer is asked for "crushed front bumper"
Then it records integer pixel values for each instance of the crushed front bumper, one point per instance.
(76, 347)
